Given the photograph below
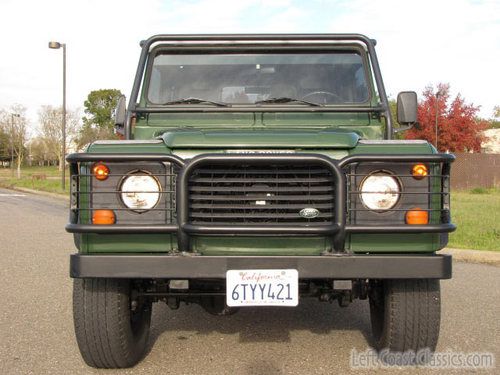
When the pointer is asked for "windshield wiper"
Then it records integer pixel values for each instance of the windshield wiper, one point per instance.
(286, 100)
(195, 101)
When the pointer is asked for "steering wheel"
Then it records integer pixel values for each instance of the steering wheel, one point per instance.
(323, 93)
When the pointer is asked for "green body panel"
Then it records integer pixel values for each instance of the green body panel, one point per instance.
(393, 243)
(257, 139)
(188, 154)
(260, 245)
(155, 125)
(148, 147)
(128, 243)
(392, 148)
(305, 120)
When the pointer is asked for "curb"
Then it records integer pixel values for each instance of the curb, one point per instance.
(474, 256)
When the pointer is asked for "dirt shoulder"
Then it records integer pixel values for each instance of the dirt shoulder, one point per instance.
(474, 256)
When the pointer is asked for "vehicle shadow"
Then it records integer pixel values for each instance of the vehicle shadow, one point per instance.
(265, 324)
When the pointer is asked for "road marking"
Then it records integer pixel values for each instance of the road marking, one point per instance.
(12, 195)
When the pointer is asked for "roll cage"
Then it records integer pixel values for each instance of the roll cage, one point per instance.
(252, 40)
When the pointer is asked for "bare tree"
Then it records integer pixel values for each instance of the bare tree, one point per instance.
(40, 153)
(496, 111)
(5, 149)
(50, 119)
(15, 125)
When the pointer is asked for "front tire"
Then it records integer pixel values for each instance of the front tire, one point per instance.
(405, 314)
(108, 332)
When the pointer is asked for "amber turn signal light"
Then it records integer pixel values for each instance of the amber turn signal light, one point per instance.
(100, 171)
(419, 171)
(417, 216)
(103, 217)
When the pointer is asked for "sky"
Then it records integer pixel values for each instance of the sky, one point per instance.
(420, 43)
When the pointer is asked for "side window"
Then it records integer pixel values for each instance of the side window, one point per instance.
(361, 89)
(155, 86)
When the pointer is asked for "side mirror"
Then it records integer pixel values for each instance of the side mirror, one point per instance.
(407, 107)
(120, 112)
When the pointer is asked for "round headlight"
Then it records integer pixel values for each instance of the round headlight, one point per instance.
(140, 191)
(380, 191)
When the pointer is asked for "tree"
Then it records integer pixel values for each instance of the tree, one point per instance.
(393, 105)
(40, 153)
(496, 112)
(495, 120)
(15, 124)
(4, 143)
(98, 122)
(50, 119)
(459, 128)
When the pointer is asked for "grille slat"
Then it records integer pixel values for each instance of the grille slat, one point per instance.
(261, 194)
(253, 215)
(247, 180)
(288, 197)
(260, 188)
(258, 207)
(262, 171)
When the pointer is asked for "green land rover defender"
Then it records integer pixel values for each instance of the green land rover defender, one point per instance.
(257, 170)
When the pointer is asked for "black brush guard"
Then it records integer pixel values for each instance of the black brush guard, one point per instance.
(335, 264)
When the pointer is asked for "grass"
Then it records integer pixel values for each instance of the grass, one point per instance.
(476, 212)
(480, 190)
(50, 183)
(477, 216)
(29, 171)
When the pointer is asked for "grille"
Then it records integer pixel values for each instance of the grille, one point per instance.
(260, 194)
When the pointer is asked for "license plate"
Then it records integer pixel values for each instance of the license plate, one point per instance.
(262, 288)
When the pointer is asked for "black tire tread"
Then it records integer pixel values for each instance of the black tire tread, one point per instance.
(412, 311)
(102, 324)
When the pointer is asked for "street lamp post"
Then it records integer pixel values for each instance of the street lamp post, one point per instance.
(57, 45)
(12, 130)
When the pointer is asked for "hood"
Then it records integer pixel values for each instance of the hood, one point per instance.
(323, 139)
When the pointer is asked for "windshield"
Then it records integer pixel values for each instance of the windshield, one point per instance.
(331, 78)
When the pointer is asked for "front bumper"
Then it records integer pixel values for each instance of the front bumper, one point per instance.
(189, 266)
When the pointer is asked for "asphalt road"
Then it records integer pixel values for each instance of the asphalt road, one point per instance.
(316, 338)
